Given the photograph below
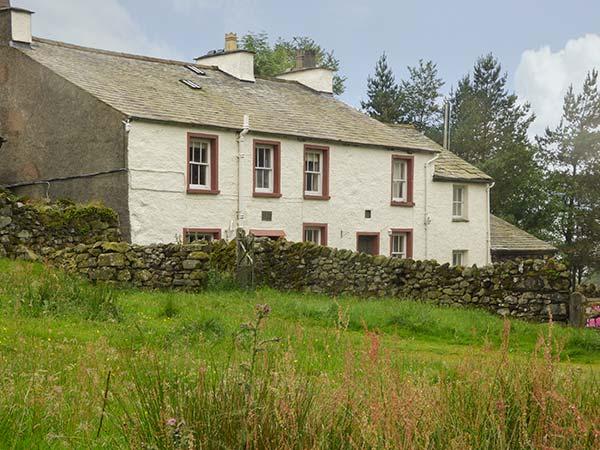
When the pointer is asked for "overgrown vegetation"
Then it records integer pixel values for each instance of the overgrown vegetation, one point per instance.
(211, 371)
(34, 291)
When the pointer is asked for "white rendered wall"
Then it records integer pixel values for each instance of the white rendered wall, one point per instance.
(240, 64)
(359, 179)
(21, 26)
(317, 78)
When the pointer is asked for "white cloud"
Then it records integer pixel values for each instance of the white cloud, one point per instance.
(543, 76)
(106, 24)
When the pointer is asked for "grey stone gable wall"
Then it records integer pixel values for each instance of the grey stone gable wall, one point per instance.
(55, 130)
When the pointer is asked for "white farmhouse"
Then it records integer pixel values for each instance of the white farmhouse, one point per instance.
(187, 151)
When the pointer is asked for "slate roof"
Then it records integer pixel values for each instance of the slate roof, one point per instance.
(507, 238)
(151, 88)
(450, 167)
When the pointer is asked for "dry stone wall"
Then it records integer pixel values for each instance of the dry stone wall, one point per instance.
(155, 266)
(531, 289)
(34, 230)
(86, 240)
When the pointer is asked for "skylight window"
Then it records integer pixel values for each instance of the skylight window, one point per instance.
(196, 70)
(191, 84)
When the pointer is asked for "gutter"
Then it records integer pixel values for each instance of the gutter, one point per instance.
(426, 218)
(240, 140)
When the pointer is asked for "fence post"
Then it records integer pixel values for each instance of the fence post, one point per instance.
(244, 259)
(577, 302)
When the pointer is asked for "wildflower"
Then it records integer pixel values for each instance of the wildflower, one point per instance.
(263, 310)
(172, 422)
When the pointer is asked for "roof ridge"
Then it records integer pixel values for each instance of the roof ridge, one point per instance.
(120, 54)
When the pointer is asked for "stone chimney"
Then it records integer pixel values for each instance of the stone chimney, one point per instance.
(15, 24)
(307, 73)
(231, 43)
(232, 60)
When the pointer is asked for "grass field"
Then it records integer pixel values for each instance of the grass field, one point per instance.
(211, 370)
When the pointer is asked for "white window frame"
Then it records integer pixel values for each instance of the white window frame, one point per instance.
(459, 258)
(269, 169)
(318, 173)
(399, 251)
(200, 164)
(459, 206)
(399, 180)
(317, 235)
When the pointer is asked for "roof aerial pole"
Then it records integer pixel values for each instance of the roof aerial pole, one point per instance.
(447, 111)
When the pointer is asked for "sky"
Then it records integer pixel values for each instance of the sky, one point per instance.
(544, 46)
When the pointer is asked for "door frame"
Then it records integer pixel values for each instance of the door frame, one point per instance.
(375, 234)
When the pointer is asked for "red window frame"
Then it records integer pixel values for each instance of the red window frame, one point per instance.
(276, 168)
(325, 185)
(369, 233)
(268, 233)
(216, 232)
(410, 178)
(409, 240)
(214, 164)
(322, 226)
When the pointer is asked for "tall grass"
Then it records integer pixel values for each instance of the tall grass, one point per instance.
(261, 401)
(32, 292)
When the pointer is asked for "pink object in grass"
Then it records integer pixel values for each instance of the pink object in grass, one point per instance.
(172, 422)
(593, 323)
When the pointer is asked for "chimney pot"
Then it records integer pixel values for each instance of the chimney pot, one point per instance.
(231, 43)
(4, 4)
(299, 59)
(310, 59)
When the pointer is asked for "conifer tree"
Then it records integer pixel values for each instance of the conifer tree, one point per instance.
(489, 129)
(383, 96)
(571, 154)
(420, 96)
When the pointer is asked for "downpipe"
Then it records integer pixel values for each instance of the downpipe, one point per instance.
(426, 218)
(240, 140)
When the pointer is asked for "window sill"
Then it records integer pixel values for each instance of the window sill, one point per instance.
(202, 191)
(403, 204)
(316, 197)
(459, 219)
(267, 194)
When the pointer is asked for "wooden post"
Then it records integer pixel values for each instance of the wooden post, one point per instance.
(577, 304)
(244, 259)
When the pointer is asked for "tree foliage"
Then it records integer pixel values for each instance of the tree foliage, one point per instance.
(383, 94)
(274, 59)
(420, 97)
(489, 129)
(571, 154)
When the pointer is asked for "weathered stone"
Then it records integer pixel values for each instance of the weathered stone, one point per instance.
(143, 275)
(124, 275)
(190, 264)
(5, 221)
(105, 273)
(201, 256)
(119, 247)
(111, 260)
(24, 235)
